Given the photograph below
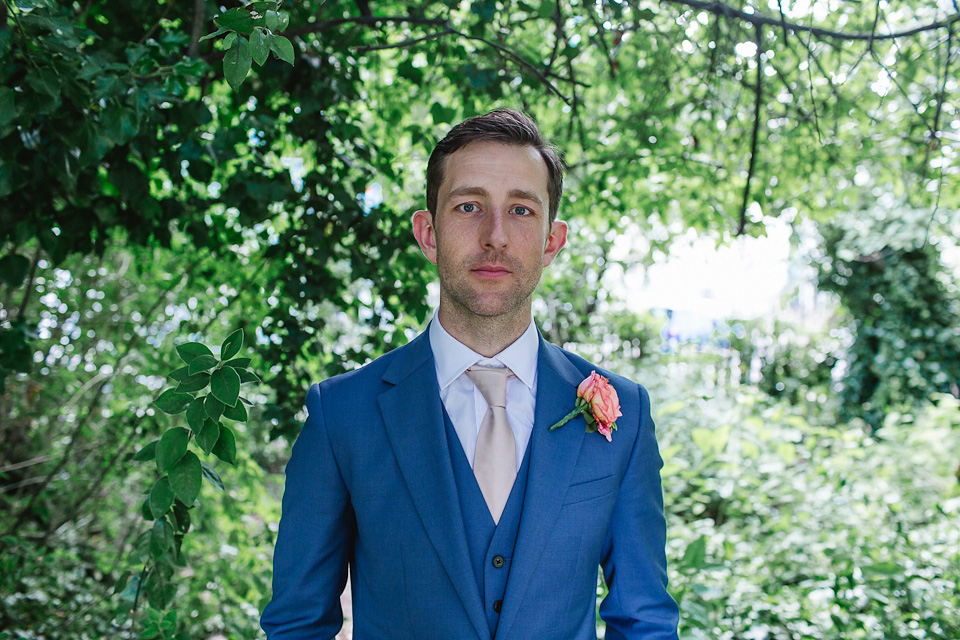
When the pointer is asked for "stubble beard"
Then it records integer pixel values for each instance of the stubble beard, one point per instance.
(470, 302)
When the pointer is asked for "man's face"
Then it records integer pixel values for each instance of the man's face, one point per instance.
(491, 236)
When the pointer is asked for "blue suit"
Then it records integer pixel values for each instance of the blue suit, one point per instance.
(370, 485)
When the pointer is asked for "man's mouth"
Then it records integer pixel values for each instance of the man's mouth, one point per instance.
(491, 271)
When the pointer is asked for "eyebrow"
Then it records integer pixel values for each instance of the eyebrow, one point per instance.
(523, 194)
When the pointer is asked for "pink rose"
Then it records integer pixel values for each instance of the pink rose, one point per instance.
(604, 403)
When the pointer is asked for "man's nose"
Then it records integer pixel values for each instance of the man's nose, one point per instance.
(493, 232)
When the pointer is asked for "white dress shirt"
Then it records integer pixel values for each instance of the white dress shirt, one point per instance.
(463, 401)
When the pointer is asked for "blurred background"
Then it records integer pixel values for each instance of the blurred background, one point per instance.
(763, 203)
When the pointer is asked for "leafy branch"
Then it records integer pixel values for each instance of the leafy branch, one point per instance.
(251, 34)
(182, 472)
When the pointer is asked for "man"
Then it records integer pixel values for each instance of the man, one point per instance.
(432, 472)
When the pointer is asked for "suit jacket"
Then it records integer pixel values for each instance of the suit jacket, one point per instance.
(370, 485)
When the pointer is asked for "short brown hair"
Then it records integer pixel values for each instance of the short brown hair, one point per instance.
(508, 126)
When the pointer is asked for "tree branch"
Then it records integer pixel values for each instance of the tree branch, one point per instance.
(196, 31)
(405, 43)
(757, 106)
(758, 19)
(364, 20)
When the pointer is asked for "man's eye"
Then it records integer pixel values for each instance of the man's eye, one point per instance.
(468, 207)
(520, 210)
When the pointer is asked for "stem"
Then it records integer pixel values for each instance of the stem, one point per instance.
(567, 418)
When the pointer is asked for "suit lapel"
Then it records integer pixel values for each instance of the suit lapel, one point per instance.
(413, 417)
(553, 455)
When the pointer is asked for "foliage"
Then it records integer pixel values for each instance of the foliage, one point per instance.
(151, 193)
(174, 493)
(784, 525)
(904, 303)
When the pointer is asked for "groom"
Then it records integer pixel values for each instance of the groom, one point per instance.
(432, 474)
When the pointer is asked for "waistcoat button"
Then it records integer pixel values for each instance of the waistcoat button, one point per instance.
(498, 561)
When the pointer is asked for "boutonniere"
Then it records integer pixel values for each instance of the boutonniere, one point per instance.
(599, 405)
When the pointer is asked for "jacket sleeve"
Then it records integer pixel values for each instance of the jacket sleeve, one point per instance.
(315, 538)
(634, 556)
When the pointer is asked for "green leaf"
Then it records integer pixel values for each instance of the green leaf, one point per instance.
(172, 402)
(145, 511)
(149, 452)
(8, 108)
(202, 363)
(272, 20)
(237, 363)
(225, 385)
(186, 477)
(160, 592)
(237, 19)
(195, 414)
(181, 516)
(161, 537)
(236, 63)
(193, 383)
(208, 435)
(259, 50)
(218, 32)
(211, 475)
(226, 447)
(238, 412)
(282, 48)
(231, 346)
(188, 351)
(13, 269)
(168, 623)
(213, 407)
(695, 555)
(283, 18)
(247, 376)
(172, 446)
(179, 374)
(161, 497)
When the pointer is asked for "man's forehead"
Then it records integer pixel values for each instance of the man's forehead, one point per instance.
(463, 170)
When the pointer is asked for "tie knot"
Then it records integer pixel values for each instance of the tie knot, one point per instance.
(492, 383)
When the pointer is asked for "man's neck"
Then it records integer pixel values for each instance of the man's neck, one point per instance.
(486, 336)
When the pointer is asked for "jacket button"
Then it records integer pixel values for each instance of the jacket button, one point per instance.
(497, 605)
(498, 561)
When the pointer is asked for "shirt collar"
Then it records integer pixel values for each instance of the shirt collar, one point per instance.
(452, 357)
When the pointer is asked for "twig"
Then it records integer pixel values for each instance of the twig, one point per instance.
(405, 43)
(28, 286)
(363, 20)
(65, 456)
(757, 105)
(519, 59)
(758, 19)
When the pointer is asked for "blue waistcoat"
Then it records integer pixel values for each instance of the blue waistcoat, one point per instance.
(490, 545)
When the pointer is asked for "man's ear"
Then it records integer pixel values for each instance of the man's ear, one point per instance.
(555, 241)
(426, 234)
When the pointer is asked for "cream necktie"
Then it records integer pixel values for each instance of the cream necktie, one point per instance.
(495, 457)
